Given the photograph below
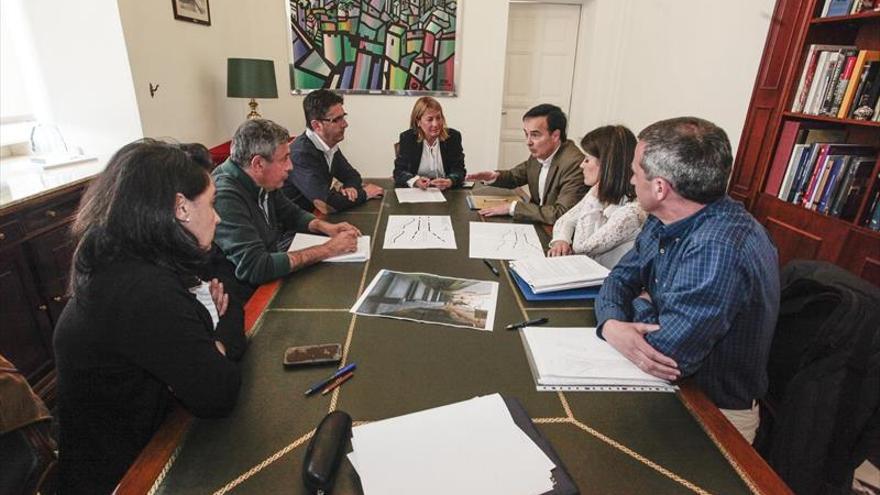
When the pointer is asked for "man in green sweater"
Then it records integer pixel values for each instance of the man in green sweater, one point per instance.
(257, 220)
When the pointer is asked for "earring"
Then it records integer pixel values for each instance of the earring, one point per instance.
(185, 220)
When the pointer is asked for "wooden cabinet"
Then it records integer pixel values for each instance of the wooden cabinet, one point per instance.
(800, 232)
(36, 250)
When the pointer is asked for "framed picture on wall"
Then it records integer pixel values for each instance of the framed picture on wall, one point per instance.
(196, 11)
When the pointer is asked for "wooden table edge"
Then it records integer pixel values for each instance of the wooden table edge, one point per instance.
(754, 470)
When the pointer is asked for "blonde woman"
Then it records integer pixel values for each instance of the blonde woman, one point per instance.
(430, 153)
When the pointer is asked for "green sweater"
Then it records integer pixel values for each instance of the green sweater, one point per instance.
(244, 235)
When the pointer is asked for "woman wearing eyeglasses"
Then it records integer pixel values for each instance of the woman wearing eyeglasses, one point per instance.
(430, 154)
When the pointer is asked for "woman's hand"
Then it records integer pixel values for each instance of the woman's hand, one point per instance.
(442, 184)
(422, 183)
(559, 248)
(221, 298)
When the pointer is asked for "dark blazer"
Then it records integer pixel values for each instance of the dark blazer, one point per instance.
(311, 178)
(406, 165)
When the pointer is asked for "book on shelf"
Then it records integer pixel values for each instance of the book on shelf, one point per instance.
(815, 54)
(834, 8)
(864, 57)
(872, 212)
(835, 73)
(836, 99)
(803, 168)
(856, 184)
(867, 91)
(794, 133)
(832, 181)
(823, 165)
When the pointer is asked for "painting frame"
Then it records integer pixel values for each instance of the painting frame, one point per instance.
(191, 11)
(446, 62)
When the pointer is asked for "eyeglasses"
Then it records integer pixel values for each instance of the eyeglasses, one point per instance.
(335, 120)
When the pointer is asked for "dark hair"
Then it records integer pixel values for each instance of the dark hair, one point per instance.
(200, 154)
(691, 153)
(128, 211)
(256, 137)
(614, 147)
(317, 103)
(556, 119)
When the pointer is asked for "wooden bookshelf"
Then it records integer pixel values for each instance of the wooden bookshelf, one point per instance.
(802, 233)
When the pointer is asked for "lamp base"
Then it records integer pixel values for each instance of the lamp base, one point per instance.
(253, 114)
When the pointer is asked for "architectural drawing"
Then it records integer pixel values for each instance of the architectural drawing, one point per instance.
(419, 232)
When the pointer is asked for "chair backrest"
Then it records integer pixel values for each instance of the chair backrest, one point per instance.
(824, 378)
(397, 149)
(27, 449)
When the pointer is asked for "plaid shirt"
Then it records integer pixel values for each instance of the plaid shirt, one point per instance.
(714, 284)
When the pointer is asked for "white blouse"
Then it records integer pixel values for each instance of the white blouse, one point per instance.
(593, 228)
(431, 164)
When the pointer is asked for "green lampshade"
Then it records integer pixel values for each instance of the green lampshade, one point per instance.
(250, 78)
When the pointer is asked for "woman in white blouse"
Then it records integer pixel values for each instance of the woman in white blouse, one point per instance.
(429, 153)
(604, 224)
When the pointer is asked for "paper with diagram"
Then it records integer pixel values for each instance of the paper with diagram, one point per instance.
(419, 232)
(504, 241)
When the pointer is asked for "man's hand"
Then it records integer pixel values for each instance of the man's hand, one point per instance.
(221, 299)
(496, 211)
(331, 229)
(350, 192)
(486, 175)
(629, 339)
(422, 183)
(342, 243)
(373, 191)
(441, 184)
(559, 248)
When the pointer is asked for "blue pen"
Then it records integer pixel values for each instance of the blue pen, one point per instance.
(323, 383)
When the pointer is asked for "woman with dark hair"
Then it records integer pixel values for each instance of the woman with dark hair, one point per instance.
(604, 224)
(133, 339)
(430, 154)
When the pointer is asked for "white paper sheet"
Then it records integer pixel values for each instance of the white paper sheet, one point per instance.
(576, 356)
(303, 241)
(504, 241)
(416, 195)
(419, 232)
(470, 447)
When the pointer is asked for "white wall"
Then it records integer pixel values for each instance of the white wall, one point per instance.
(78, 72)
(638, 61)
(641, 61)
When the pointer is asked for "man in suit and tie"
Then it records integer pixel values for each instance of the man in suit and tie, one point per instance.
(322, 178)
(552, 172)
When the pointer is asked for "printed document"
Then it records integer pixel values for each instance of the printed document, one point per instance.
(303, 241)
(416, 195)
(504, 241)
(419, 232)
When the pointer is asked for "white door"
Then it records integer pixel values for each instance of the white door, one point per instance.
(539, 67)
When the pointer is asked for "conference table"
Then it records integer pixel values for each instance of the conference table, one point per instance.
(609, 442)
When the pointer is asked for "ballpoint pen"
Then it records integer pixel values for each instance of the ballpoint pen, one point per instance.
(323, 383)
(527, 323)
(491, 267)
(339, 381)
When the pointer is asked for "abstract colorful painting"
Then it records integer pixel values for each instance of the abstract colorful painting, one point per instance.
(388, 46)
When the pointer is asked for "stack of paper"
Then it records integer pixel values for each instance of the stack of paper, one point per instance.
(476, 202)
(577, 357)
(416, 195)
(303, 241)
(560, 272)
(470, 447)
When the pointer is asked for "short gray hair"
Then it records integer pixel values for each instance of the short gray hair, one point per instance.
(257, 137)
(691, 153)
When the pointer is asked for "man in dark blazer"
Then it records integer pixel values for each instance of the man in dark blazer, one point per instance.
(554, 164)
(317, 160)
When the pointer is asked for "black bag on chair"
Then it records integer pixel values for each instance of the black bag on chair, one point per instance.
(821, 416)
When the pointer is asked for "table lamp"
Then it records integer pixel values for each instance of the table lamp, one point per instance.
(251, 78)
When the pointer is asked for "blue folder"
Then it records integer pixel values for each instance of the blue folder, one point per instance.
(560, 295)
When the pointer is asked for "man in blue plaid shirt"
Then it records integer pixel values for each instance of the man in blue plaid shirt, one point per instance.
(698, 295)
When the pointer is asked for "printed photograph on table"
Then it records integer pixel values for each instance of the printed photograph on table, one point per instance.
(196, 11)
(376, 46)
(427, 298)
